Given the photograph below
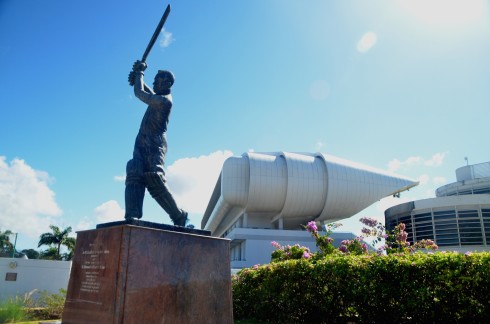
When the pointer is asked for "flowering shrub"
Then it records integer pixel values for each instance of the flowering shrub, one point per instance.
(395, 242)
(323, 242)
(418, 288)
(338, 285)
(355, 246)
(425, 244)
(288, 252)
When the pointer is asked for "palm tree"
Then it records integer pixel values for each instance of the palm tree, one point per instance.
(50, 254)
(5, 245)
(57, 238)
(31, 253)
(70, 244)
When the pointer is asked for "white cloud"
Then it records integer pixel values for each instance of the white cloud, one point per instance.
(439, 180)
(423, 179)
(435, 161)
(167, 38)
(396, 164)
(319, 90)
(27, 204)
(84, 224)
(319, 145)
(367, 41)
(192, 180)
(107, 212)
(421, 169)
(120, 178)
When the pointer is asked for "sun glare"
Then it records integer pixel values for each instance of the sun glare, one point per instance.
(446, 13)
(367, 41)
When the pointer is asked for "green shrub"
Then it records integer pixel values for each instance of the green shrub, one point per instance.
(436, 287)
(15, 309)
(11, 311)
(51, 304)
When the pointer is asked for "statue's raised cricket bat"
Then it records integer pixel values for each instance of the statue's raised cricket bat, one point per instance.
(156, 33)
(152, 40)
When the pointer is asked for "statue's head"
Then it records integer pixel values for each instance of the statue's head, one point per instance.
(163, 82)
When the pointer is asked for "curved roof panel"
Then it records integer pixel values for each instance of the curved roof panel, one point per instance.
(299, 186)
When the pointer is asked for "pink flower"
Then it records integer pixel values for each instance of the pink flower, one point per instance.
(364, 247)
(306, 255)
(343, 248)
(276, 245)
(371, 222)
(311, 227)
(328, 240)
(402, 237)
(366, 231)
(255, 267)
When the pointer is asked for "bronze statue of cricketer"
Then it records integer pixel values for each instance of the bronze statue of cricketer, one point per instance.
(145, 169)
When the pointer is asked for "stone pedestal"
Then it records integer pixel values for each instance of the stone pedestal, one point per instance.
(134, 274)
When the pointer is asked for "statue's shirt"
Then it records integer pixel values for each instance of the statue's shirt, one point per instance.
(151, 137)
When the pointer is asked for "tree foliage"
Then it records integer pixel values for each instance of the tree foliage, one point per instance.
(54, 241)
(5, 244)
(31, 253)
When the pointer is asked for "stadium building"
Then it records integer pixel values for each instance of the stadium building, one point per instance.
(264, 197)
(458, 219)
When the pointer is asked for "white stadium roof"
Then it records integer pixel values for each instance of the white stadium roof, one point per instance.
(296, 188)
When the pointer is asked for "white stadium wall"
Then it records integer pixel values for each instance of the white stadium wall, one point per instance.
(20, 276)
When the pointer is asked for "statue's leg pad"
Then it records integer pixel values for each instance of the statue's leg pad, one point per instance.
(157, 187)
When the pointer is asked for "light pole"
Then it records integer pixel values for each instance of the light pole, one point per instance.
(15, 243)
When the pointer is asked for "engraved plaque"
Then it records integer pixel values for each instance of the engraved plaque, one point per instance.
(132, 274)
(94, 275)
(11, 276)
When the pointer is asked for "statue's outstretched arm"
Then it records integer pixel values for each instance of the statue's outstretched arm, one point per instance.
(141, 90)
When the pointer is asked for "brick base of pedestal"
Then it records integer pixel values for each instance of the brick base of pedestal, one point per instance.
(133, 274)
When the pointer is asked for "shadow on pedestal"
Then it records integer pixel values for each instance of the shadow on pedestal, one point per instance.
(149, 273)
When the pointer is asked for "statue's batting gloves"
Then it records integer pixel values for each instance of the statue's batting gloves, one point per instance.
(131, 77)
(139, 66)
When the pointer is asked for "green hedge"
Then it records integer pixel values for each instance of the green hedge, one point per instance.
(416, 288)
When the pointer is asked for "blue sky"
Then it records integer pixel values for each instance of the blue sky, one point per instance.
(399, 85)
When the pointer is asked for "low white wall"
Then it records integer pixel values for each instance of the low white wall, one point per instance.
(258, 247)
(32, 274)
